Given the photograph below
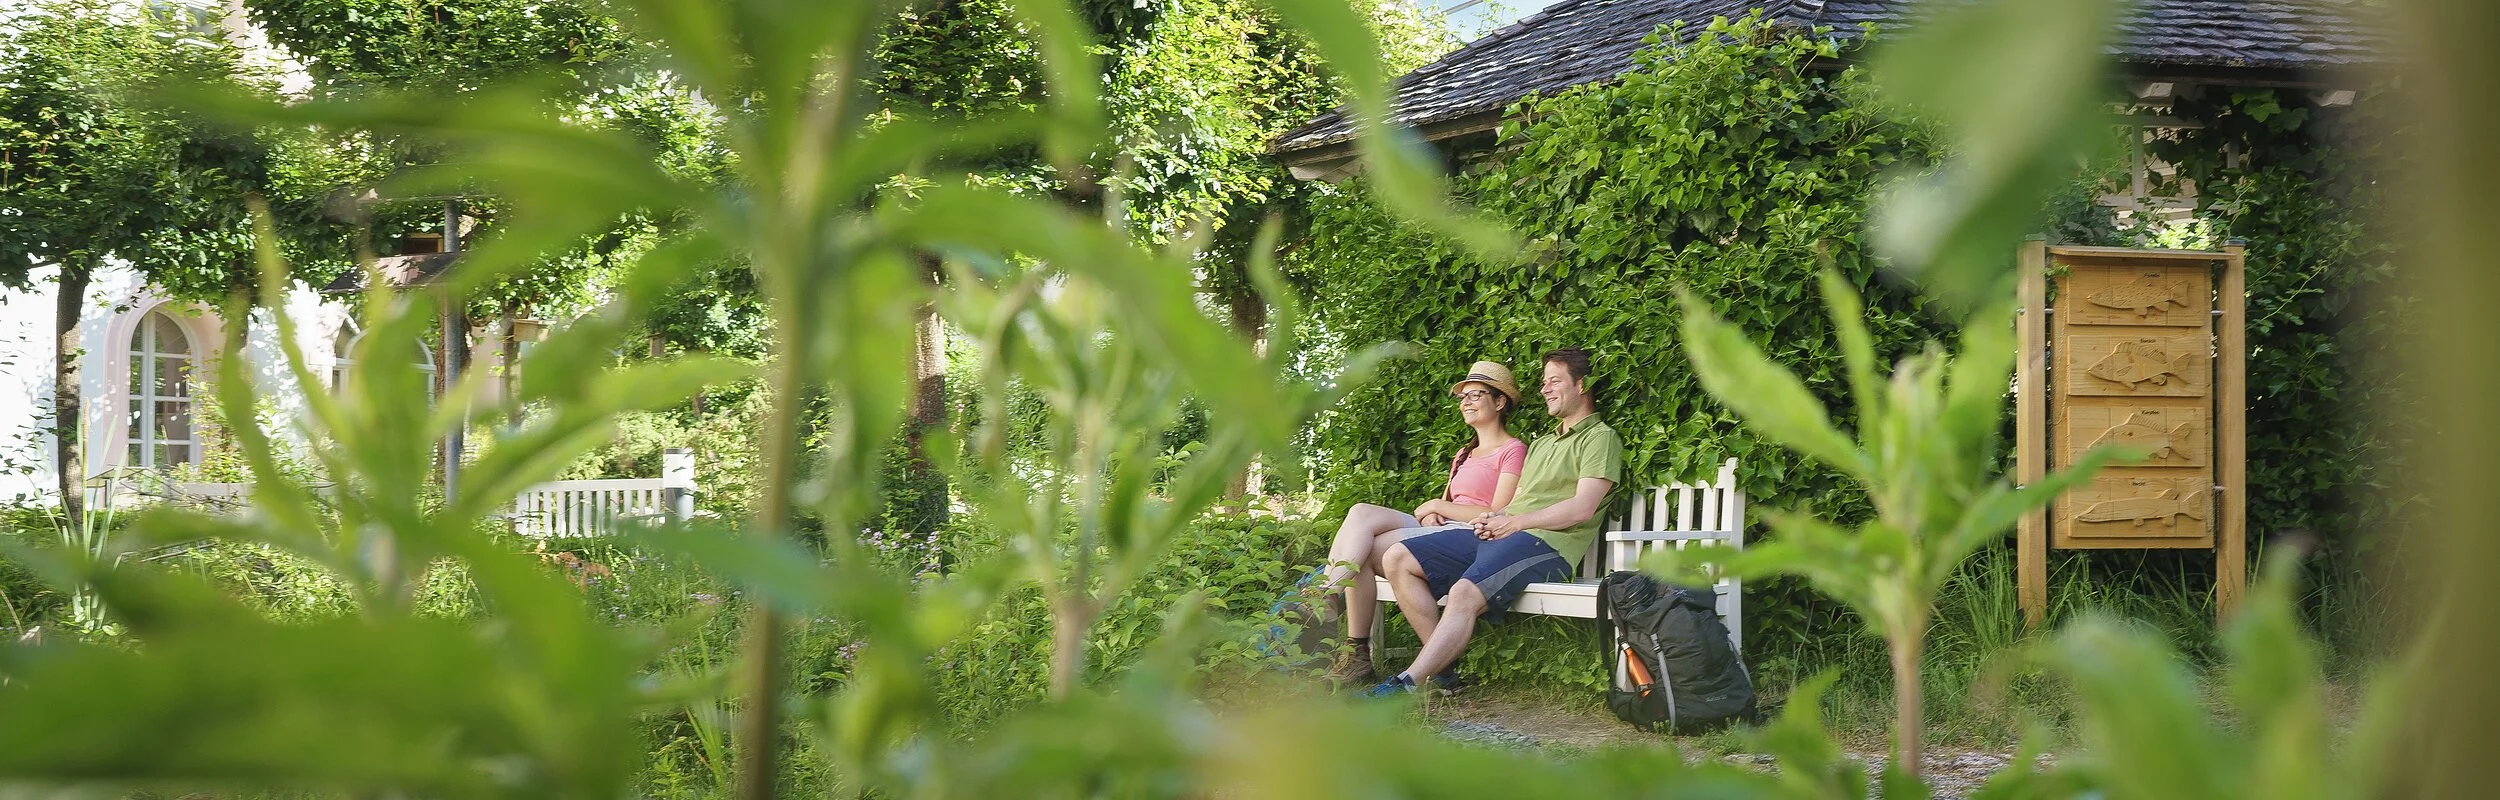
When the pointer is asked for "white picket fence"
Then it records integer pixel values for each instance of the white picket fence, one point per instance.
(548, 510)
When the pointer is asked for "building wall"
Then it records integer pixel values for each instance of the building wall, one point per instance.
(117, 301)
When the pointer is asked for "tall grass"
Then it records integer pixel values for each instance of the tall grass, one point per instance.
(1980, 690)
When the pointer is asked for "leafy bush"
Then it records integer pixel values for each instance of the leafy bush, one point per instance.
(535, 690)
(1733, 165)
(724, 438)
(2329, 418)
(1730, 166)
(1238, 563)
(29, 599)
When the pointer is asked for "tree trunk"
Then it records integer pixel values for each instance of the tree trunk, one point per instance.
(928, 402)
(1249, 312)
(69, 459)
(1070, 622)
(928, 410)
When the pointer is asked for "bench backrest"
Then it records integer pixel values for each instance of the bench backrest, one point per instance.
(1680, 516)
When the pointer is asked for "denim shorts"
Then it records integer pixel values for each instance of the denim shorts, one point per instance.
(1501, 568)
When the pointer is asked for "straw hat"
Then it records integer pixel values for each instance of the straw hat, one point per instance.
(1491, 374)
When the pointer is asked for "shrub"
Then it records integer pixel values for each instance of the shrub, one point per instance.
(1237, 563)
(1734, 165)
(2329, 419)
(26, 599)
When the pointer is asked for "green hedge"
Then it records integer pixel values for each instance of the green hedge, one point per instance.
(1728, 166)
(1732, 166)
(1736, 167)
(2329, 418)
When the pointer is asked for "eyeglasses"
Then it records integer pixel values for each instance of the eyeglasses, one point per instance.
(1473, 394)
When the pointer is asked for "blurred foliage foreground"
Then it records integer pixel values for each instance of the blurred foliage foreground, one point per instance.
(537, 692)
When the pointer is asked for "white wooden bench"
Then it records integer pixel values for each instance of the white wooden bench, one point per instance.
(1678, 516)
(603, 507)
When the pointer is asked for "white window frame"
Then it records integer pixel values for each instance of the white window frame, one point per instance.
(146, 352)
(342, 359)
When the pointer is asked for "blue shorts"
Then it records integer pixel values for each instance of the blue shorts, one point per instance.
(1501, 568)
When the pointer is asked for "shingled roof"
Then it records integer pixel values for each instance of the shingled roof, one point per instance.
(1585, 41)
(398, 272)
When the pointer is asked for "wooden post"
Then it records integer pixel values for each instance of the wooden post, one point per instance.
(455, 357)
(677, 483)
(2031, 535)
(508, 358)
(2231, 427)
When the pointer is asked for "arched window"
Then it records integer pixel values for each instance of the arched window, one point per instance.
(343, 358)
(161, 359)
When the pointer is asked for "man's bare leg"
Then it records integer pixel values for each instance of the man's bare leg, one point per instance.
(1449, 637)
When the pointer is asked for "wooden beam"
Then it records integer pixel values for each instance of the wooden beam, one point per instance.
(2231, 425)
(2129, 253)
(2031, 535)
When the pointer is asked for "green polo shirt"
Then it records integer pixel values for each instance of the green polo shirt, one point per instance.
(1556, 463)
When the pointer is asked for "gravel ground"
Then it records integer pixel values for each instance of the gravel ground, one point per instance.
(1952, 772)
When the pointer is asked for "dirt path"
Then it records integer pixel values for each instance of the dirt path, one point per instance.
(1564, 728)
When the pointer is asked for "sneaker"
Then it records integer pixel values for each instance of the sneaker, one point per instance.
(1353, 668)
(1447, 683)
(1394, 687)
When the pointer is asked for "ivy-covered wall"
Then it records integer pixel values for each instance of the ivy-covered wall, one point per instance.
(1728, 166)
(1732, 167)
(2328, 416)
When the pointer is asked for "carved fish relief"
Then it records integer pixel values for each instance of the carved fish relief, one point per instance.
(2137, 363)
(2145, 297)
(2166, 508)
(2138, 430)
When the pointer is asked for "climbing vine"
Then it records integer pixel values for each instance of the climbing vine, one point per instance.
(1735, 165)
(1731, 165)
(2328, 419)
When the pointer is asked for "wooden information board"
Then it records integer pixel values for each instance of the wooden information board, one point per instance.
(2142, 347)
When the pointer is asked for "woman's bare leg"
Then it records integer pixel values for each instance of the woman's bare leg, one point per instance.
(1353, 559)
(1362, 596)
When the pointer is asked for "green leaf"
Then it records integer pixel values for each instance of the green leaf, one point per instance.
(2020, 127)
(1767, 397)
(1397, 165)
(403, 704)
(2141, 714)
(1077, 119)
(1857, 347)
(1810, 763)
(2002, 506)
(2274, 684)
(1976, 385)
(779, 571)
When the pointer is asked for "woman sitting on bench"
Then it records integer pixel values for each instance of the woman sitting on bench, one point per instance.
(1482, 479)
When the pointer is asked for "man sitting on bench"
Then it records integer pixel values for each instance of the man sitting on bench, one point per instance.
(1483, 568)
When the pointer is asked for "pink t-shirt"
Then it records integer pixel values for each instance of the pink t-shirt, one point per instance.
(1474, 482)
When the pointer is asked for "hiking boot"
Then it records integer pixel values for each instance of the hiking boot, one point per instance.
(1399, 686)
(1353, 668)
